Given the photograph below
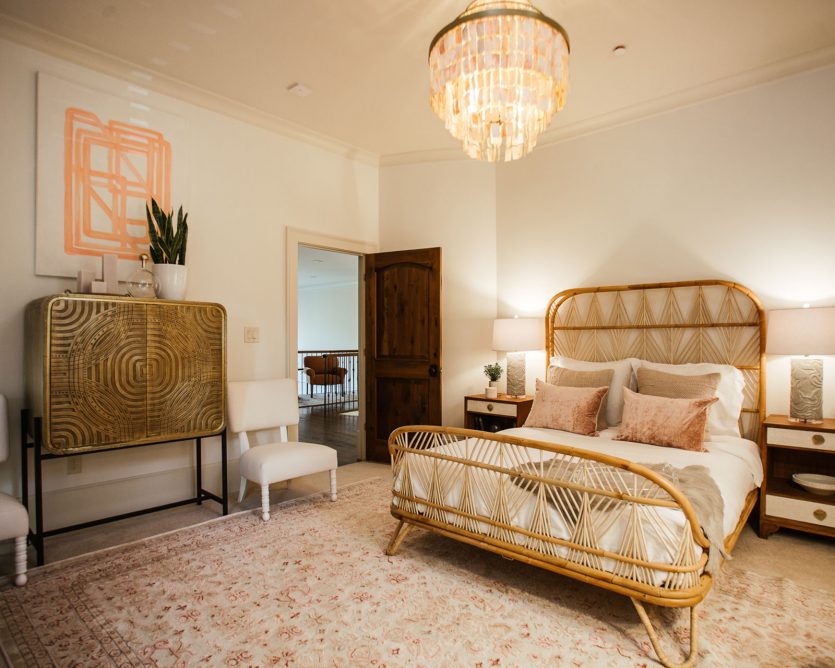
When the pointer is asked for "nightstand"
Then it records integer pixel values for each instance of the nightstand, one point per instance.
(796, 447)
(494, 415)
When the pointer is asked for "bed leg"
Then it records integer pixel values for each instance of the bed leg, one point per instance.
(397, 538)
(653, 638)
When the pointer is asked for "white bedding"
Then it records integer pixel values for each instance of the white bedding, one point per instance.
(734, 464)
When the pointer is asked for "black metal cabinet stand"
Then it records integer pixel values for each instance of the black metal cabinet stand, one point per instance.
(37, 536)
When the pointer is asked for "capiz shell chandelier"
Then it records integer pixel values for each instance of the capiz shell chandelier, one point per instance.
(498, 74)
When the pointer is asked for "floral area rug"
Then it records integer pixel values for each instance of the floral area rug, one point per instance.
(312, 587)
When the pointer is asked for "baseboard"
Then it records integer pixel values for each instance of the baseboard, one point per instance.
(86, 502)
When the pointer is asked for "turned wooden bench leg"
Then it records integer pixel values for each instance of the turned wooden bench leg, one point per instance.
(397, 538)
(653, 638)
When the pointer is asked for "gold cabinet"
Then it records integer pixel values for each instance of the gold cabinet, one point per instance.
(106, 372)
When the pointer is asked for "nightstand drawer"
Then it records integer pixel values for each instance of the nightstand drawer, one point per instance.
(801, 438)
(810, 512)
(491, 408)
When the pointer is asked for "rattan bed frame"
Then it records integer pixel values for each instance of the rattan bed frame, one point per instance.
(696, 321)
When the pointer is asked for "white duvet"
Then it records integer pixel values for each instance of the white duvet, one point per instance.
(733, 463)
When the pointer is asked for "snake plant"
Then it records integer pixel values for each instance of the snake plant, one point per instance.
(168, 244)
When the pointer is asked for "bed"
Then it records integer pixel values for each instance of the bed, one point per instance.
(608, 512)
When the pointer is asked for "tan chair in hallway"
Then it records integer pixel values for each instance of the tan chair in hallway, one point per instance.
(14, 518)
(324, 370)
(273, 404)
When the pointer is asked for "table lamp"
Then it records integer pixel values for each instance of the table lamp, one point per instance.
(515, 336)
(803, 331)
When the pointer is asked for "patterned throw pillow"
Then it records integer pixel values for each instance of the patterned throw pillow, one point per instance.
(571, 409)
(674, 423)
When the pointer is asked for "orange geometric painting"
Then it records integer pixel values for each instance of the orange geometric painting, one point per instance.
(110, 171)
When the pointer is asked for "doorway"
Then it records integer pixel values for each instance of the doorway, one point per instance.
(399, 301)
(328, 349)
(302, 241)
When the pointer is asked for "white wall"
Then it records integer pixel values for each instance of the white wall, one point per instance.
(451, 205)
(740, 187)
(328, 317)
(246, 186)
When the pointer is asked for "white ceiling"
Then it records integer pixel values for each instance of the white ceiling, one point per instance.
(320, 268)
(366, 59)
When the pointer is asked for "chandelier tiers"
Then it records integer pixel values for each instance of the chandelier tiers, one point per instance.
(498, 74)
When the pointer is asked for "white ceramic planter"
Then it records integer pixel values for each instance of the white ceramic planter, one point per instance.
(491, 391)
(171, 279)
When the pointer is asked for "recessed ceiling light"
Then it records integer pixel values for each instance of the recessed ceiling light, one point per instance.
(619, 50)
(142, 75)
(226, 10)
(299, 90)
(180, 46)
(202, 28)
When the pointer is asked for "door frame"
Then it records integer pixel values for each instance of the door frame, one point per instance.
(296, 237)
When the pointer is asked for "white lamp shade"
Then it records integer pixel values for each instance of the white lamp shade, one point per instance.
(801, 331)
(518, 334)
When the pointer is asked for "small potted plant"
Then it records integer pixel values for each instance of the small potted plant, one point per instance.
(493, 373)
(168, 249)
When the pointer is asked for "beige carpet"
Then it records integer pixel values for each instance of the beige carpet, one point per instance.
(312, 587)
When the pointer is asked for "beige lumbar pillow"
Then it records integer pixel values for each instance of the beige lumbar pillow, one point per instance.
(677, 386)
(571, 409)
(573, 378)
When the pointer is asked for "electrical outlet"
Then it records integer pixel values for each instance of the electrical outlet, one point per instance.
(74, 465)
(252, 334)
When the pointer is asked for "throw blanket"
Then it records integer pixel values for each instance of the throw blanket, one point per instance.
(704, 495)
(692, 481)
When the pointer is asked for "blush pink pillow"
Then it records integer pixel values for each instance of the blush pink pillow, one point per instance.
(675, 423)
(571, 409)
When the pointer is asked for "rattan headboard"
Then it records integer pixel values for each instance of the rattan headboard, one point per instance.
(675, 323)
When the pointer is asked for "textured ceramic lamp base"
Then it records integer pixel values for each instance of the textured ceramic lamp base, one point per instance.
(806, 403)
(516, 374)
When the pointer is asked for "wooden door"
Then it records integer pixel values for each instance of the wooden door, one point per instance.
(402, 344)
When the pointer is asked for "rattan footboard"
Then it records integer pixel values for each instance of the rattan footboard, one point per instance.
(473, 486)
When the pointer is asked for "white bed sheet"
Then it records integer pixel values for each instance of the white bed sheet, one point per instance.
(734, 463)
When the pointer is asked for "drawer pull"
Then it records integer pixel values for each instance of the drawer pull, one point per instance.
(818, 439)
(489, 407)
(820, 515)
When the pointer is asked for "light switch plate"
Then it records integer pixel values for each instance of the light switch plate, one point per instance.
(252, 334)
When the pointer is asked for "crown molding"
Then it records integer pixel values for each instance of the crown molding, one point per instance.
(47, 42)
(431, 155)
(42, 40)
(692, 96)
(685, 98)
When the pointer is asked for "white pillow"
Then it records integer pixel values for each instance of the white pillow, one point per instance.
(723, 419)
(622, 376)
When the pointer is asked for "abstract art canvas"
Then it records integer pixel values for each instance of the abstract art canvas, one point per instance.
(100, 158)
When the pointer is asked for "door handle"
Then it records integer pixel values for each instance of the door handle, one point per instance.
(433, 370)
